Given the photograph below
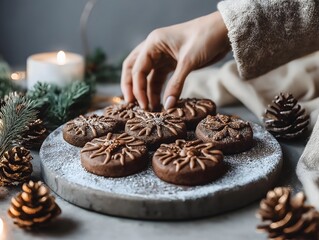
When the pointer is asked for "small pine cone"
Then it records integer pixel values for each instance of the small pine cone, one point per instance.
(15, 166)
(33, 207)
(285, 118)
(34, 135)
(287, 218)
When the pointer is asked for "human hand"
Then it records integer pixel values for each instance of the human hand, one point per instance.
(180, 48)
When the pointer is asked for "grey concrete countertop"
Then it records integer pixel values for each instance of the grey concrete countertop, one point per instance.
(76, 223)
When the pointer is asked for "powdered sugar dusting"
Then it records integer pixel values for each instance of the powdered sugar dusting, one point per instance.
(63, 160)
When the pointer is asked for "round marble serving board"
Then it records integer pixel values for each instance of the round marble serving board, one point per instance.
(144, 196)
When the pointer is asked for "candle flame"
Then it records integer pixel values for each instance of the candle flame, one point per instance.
(60, 57)
(16, 76)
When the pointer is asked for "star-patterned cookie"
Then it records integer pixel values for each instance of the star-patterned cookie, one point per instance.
(192, 110)
(228, 133)
(115, 155)
(188, 162)
(123, 112)
(156, 128)
(83, 129)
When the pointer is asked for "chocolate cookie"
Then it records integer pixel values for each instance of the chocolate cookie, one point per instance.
(123, 112)
(228, 133)
(156, 128)
(83, 129)
(115, 155)
(188, 162)
(192, 110)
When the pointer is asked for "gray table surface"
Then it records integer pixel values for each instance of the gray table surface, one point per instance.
(77, 223)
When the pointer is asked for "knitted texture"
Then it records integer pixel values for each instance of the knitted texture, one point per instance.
(267, 34)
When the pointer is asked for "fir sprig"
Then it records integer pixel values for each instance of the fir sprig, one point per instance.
(69, 103)
(41, 95)
(15, 116)
(58, 105)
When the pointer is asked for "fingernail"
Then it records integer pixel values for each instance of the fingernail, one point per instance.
(170, 102)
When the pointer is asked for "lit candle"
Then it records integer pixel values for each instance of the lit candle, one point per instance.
(59, 68)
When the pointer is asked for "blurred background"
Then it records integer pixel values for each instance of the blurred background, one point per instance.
(32, 26)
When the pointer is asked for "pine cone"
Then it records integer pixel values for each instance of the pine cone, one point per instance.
(34, 206)
(15, 166)
(286, 218)
(34, 135)
(284, 118)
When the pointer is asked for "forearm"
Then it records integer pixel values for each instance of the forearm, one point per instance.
(265, 34)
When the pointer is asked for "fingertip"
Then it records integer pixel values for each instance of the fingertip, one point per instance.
(126, 89)
(142, 104)
(170, 102)
(126, 86)
(171, 94)
(128, 98)
(139, 90)
(175, 85)
(141, 69)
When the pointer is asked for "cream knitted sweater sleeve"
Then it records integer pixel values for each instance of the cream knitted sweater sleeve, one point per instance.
(265, 34)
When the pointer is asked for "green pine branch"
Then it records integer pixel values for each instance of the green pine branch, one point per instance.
(71, 102)
(15, 116)
(52, 104)
(59, 105)
(41, 95)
